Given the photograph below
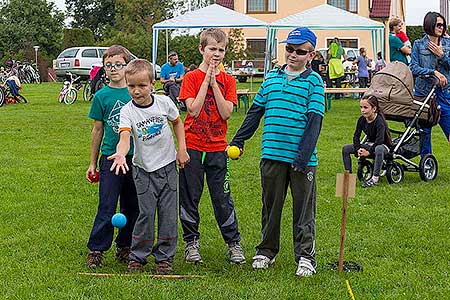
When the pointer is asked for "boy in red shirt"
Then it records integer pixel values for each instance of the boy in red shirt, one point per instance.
(209, 95)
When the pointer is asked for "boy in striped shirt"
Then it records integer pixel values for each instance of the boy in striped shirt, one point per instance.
(291, 99)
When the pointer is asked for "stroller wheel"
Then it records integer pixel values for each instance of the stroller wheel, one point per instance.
(365, 170)
(394, 173)
(428, 167)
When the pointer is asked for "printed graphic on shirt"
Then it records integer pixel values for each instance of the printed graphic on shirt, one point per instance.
(149, 128)
(114, 116)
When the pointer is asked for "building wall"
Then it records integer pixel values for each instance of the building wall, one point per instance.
(286, 8)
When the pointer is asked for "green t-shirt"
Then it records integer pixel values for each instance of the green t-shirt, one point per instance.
(106, 107)
(395, 44)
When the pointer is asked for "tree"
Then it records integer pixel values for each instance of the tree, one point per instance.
(414, 33)
(236, 48)
(26, 23)
(133, 24)
(78, 37)
(93, 14)
(187, 48)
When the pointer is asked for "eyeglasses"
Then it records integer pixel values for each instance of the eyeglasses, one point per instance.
(290, 49)
(116, 66)
(440, 25)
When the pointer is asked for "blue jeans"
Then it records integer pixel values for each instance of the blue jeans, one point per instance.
(443, 99)
(111, 189)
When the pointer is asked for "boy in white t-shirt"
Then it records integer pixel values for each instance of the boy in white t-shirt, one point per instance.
(147, 118)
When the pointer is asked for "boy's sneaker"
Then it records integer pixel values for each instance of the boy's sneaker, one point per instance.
(164, 267)
(262, 262)
(369, 183)
(305, 268)
(192, 252)
(122, 254)
(135, 266)
(236, 253)
(95, 259)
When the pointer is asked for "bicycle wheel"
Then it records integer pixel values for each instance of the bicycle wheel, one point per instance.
(98, 86)
(70, 97)
(2, 96)
(87, 96)
(37, 77)
(20, 99)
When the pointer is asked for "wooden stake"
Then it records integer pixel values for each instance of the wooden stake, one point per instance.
(343, 220)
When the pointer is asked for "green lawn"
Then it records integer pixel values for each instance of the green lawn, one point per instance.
(398, 233)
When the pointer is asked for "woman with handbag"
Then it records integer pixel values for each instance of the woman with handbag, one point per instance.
(431, 56)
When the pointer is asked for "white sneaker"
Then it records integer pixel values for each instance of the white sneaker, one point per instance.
(262, 262)
(192, 252)
(305, 268)
(236, 253)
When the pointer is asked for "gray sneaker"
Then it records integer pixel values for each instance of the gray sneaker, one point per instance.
(236, 253)
(192, 252)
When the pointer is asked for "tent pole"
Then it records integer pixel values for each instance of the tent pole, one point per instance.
(167, 45)
(155, 46)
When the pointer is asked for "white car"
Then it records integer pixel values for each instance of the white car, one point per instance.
(79, 60)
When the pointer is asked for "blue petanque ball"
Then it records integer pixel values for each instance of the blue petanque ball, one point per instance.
(119, 220)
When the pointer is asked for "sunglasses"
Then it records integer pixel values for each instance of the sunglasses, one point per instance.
(290, 49)
(440, 25)
(116, 66)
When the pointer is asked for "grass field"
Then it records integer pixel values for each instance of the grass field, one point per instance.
(398, 233)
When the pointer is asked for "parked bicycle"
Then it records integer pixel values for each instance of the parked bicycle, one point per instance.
(97, 80)
(68, 93)
(26, 72)
(10, 91)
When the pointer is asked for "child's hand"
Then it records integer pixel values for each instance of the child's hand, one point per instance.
(119, 163)
(90, 172)
(182, 158)
(212, 73)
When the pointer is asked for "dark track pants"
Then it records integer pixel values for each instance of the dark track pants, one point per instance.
(276, 176)
(113, 188)
(215, 166)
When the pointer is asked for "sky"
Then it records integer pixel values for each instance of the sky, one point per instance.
(415, 9)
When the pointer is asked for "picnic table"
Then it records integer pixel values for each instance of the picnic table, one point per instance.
(244, 95)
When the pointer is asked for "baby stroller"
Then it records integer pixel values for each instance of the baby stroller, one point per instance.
(393, 86)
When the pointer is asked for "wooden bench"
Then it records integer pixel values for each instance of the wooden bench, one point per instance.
(338, 91)
(244, 96)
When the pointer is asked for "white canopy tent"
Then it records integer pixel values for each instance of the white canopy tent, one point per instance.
(211, 16)
(324, 17)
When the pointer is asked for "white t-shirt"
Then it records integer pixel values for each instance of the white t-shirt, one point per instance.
(154, 147)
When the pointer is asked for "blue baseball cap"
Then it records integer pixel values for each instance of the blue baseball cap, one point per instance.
(300, 36)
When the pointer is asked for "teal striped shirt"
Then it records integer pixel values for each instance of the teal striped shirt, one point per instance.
(287, 105)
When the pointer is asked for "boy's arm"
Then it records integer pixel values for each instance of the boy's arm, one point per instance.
(224, 107)
(182, 155)
(308, 142)
(96, 140)
(122, 149)
(249, 126)
(194, 105)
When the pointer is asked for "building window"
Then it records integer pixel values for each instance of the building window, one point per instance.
(256, 48)
(346, 43)
(349, 5)
(261, 6)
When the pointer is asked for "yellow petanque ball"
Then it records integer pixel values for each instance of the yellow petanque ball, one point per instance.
(233, 152)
